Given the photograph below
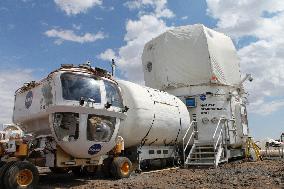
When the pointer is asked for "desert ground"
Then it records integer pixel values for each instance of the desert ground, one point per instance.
(238, 174)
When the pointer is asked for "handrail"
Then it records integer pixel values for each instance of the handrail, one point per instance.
(188, 129)
(222, 118)
(220, 133)
(184, 137)
(189, 140)
(217, 142)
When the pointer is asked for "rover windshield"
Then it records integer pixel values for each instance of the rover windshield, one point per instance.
(75, 87)
(112, 94)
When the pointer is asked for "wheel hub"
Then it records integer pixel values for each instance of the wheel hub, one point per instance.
(24, 177)
(125, 168)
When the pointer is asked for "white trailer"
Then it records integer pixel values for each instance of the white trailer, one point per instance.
(79, 118)
(200, 66)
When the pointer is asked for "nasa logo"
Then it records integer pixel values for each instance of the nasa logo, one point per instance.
(29, 99)
(203, 97)
(94, 149)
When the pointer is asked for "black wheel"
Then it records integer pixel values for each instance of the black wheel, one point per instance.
(2, 163)
(21, 175)
(3, 170)
(121, 167)
(90, 170)
(83, 171)
(59, 170)
(77, 171)
(106, 167)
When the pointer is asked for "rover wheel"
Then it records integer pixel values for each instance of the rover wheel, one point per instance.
(121, 167)
(21, 175)
(106, 167)
(3, 170)
(2, 163)
(89, 170)
(77, 171)
(59, 170)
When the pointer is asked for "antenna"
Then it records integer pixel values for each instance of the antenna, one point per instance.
(113, 65)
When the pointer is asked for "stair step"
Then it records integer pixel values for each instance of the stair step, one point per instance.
(197, 163)
(201, 161)
(204, 142)
(202, 158)
(223, 161)
(204, 147)
(203, 153)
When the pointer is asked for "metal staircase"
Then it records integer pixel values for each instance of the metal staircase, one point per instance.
(206, 153)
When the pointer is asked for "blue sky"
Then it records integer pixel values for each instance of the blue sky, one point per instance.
(37, 36)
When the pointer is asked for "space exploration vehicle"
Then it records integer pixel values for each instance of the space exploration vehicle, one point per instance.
(79, 117)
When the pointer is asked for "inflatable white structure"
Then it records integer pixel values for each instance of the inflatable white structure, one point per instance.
(190, 55)
(200, 66)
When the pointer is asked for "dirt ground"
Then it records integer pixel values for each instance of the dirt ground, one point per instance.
(264, 174)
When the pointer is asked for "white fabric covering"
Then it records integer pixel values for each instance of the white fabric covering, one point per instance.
(190, 55)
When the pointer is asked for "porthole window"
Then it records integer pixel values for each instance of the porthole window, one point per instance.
(149, 66)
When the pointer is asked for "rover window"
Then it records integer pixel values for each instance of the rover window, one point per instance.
(112, 94)
(66, 126)
(100, 128)
(75, 87)
(149, 66)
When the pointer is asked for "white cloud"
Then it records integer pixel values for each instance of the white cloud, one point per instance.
(262, 108)
(107, 55)
(69, 35)
(160, 7)
(263, 58)
(243, 18)
(184, 17)
(76, 27)
(10, 81)
(73, 7)
(138, 33)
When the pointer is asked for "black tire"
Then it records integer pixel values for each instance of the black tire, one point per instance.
(85, 171)
(13, 175)
(121, 167)
(77, 171)
(90, 170)
(59, 170)
(2, 163)
(3, 170)
(106, 167)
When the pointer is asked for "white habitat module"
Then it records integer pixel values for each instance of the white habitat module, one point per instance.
(200, 66)
(190, 55)
(71, 105)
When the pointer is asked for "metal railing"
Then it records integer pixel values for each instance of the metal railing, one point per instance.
(193, 123)
(221, 120)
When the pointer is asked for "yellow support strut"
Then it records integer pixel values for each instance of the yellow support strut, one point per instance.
(251, 146)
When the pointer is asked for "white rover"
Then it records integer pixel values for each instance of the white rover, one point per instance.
(79, 118)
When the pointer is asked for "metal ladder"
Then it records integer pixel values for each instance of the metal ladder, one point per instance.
(206, 153)
(251, 146)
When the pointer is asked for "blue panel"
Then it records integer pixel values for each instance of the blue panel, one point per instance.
(190, 102)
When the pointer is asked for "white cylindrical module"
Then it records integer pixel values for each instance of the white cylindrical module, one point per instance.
(154, 117)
